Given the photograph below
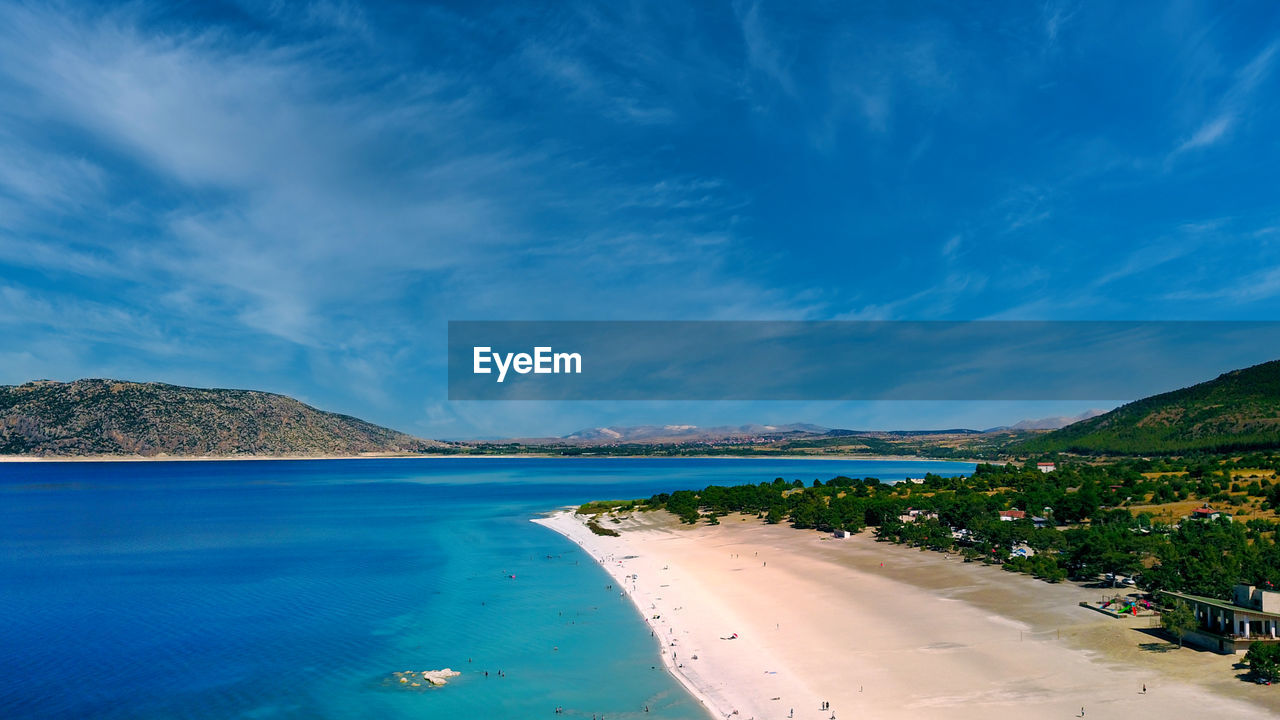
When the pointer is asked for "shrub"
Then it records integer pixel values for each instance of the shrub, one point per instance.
(1264, 660)
(595, 527)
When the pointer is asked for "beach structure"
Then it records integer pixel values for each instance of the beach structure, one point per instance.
(1046, 467)
(1231, 626)
(1011, 515)
(842, 534)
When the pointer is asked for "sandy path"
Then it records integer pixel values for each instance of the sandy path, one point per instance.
(820, 620)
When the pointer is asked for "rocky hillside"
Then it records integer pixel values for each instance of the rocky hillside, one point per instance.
(108, 417)
(1239, 410)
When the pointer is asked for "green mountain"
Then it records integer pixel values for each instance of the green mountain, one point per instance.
(1239, 410)
(108, 417)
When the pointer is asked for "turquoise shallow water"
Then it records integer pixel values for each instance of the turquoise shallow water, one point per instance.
(292, 589)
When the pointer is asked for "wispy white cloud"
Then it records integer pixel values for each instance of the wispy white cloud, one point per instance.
(342, 209)
(1233, 106)
(1209, 133)
(934, 301)
(1024, 206)
(1146, 258)
(47, 178)
(1238, 290)
(951, 248)
(1057, 15)
(765, 53)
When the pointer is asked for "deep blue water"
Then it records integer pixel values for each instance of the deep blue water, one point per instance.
(292, 589)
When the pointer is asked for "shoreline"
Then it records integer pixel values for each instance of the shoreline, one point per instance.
(923, 635)
(566, 523)
(534, 456)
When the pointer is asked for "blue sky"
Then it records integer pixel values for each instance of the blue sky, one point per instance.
(297, 197)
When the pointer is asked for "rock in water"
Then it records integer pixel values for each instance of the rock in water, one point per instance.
(439, 677)
(432, 678)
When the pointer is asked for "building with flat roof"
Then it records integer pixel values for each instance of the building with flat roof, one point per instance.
(1230, 626)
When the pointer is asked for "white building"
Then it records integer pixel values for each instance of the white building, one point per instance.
(916, 515)
(1252, 615)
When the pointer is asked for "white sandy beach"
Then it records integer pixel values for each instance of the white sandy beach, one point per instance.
(820, 620)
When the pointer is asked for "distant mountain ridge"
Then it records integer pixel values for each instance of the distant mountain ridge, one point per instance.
(727, 434)
(685, 433)
(1238, 410)
(111, 417)
(1049, 423)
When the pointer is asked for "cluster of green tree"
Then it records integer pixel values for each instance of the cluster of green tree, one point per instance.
(604, 506)
(1178, 619)
(1233, 412)
(840, 504)
(1264, 660)
(1086, 533)
(1044, 567)
(595, 527)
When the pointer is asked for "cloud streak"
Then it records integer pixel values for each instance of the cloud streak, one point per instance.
(1233, 106)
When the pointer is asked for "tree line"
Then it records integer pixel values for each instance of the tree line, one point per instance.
(1088, 527)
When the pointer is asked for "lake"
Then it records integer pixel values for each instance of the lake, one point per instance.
(294, 589)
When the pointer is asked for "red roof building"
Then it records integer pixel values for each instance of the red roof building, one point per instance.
(1204, 512)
